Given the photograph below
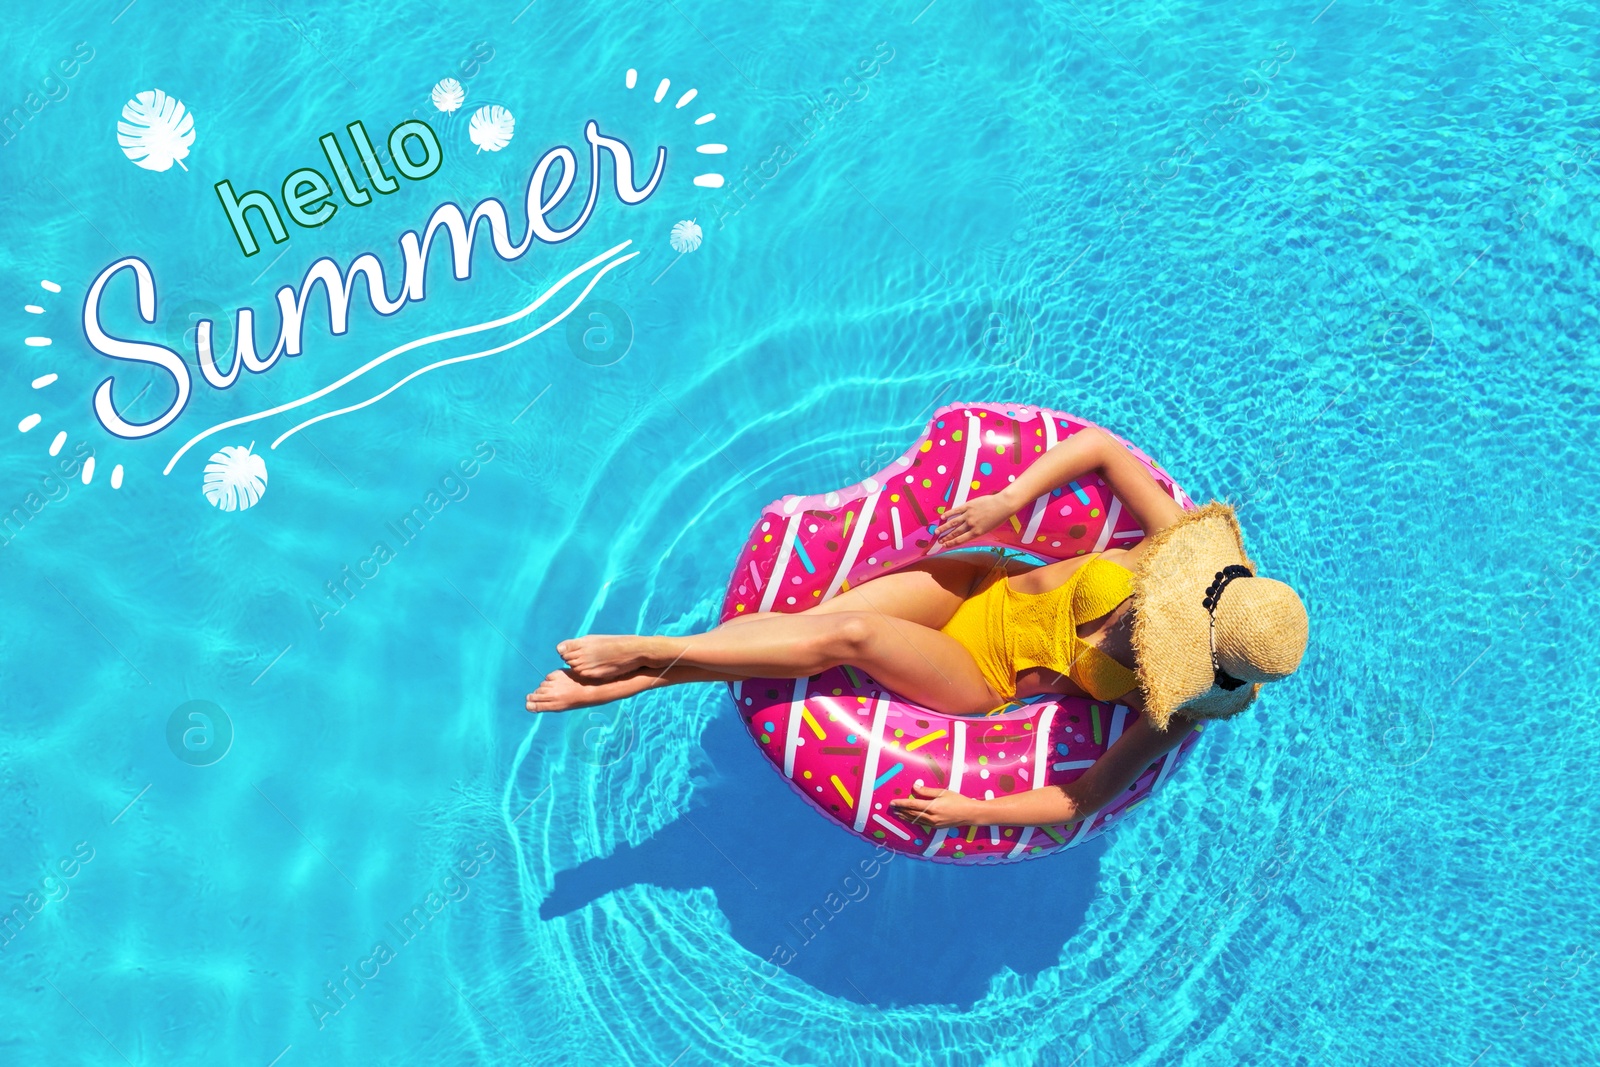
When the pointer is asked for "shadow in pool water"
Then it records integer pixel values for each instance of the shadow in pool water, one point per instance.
(914, 933)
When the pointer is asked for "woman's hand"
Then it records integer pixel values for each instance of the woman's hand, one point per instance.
(937, 808)
(975, 518)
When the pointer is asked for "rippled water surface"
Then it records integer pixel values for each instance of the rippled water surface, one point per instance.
(1336, 266)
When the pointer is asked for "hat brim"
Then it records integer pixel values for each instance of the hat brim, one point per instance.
(1171, 629)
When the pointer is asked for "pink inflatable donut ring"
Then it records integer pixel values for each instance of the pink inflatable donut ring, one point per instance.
(847, 744)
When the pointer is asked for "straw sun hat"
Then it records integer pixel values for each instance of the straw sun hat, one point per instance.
(1206, 631)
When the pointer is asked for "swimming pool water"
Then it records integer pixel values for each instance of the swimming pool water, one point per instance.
(1337, 266)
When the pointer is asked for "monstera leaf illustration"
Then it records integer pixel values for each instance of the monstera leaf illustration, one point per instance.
(685, 236)
(235, 478)
(491, 128)
(448, 94)
(156, 130)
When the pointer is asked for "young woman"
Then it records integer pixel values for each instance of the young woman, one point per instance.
(1178, 628)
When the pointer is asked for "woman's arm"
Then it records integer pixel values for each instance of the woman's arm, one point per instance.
(1090, 449)
(1138, 747)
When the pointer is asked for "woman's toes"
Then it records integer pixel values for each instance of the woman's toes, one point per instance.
(600, 656)
(576, 652)
(562, 691)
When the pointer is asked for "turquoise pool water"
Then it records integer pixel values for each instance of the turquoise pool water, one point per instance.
(1337, 266)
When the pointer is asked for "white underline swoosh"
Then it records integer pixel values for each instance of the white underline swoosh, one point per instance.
(460, 359)
(408, 346)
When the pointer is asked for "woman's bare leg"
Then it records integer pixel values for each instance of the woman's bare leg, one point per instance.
(923, 664)
(564, 690)
(927, 594)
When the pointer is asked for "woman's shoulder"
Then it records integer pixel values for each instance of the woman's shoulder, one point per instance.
(1042, 578)
(1126, 558)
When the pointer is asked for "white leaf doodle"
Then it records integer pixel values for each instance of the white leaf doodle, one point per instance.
(156, 130)
(491, 128)
(448, 94)
(685, 236)
(235, 478)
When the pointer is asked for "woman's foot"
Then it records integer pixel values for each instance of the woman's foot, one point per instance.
(601, 656)
(563, 691)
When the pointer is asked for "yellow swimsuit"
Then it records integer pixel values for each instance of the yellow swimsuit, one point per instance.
(1008, 632)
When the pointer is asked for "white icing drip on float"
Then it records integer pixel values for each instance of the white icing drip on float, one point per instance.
(1040, 504)
(791, 741)
(857, 537)
(968, 462)
(775, 581)
(880, 711)
(1041, 746)
(1111, 524)
(958, 763)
